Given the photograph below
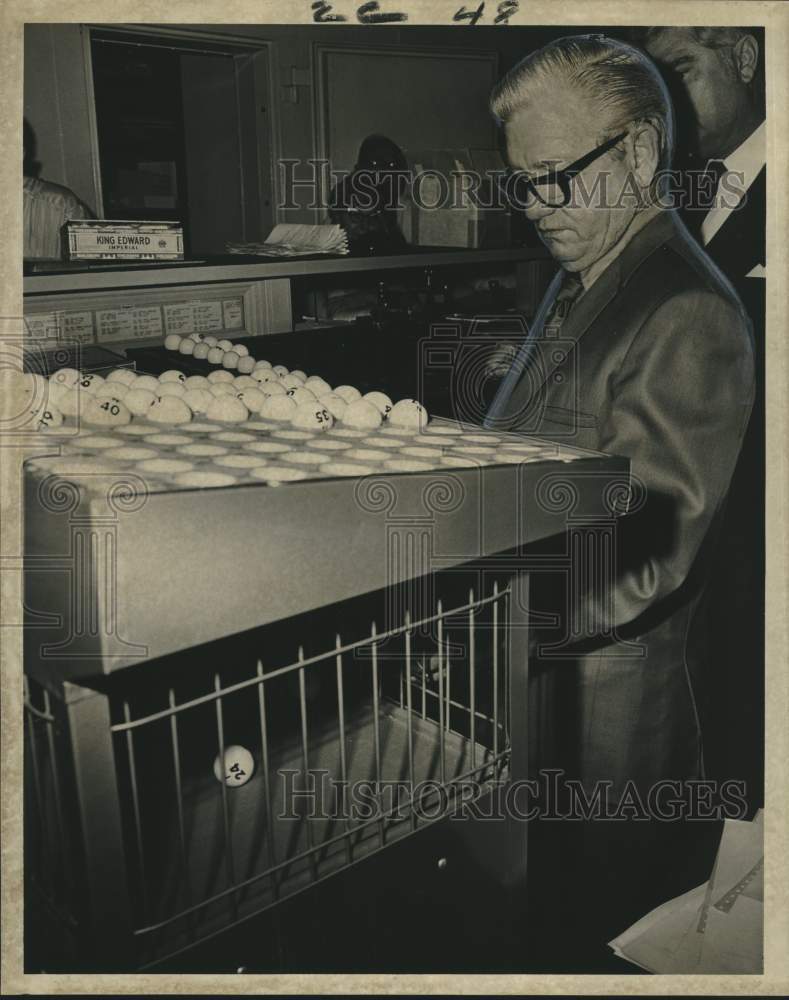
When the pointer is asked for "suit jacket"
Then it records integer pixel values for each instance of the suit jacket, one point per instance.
(654, 362)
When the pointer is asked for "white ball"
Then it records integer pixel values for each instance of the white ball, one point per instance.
(147, 382)
(348, 393)
(317, 385)
(139, 401)
(312, 417)
(48, 417)
(72, 401)
(272, 388)
(361, 415)
(186, 346)
(201, 352)
(172, 342)
(237, 768)
(299, 374)
(380, 401)
(169, 410)
(90, 382)
(408, 413)
(220, 375)
(125, 375)
(252, 398)
(246, 364)
(117, 389)
(171, 389)
(172, 375)
(196, 382)
(215, 355)
(278, 408)
(227, 409)
(242, 381)
(292, 380)
(280, 370)
(262, 364)
(222, 389)
(225, 345)
(241, 350)
(230, 359)
(301, 395)
(65, 376)
(335, 404)
(198, 400)
(210, 340)
(106, 412)
(265, 375)
(197, 337)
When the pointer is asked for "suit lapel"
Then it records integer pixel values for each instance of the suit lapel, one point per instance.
(589, 306)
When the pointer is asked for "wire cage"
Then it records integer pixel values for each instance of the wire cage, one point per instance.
(252, 768)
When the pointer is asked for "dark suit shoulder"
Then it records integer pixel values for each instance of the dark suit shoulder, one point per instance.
(679, 265)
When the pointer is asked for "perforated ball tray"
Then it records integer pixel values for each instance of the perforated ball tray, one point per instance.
(249, 553)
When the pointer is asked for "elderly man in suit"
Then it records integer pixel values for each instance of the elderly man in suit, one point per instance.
(641, 348)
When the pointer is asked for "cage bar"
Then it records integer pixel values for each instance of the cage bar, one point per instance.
(229, 863)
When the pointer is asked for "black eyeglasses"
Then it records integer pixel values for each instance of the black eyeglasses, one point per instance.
(553, 189)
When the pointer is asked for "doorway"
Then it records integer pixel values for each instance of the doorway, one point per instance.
(183, 135)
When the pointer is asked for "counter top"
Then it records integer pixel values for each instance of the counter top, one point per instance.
(234, 267)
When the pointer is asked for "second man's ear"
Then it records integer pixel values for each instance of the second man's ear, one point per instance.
(746, 57)
(646, 152)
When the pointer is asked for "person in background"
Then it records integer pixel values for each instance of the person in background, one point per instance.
(720, 74)
(717, 75)
(365, 202)
(46, 207)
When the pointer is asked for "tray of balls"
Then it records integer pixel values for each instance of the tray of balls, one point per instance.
(265, 425)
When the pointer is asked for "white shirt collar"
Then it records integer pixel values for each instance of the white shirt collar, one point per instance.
(750, 156)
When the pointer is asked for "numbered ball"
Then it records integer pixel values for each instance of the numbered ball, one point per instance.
(278, 408)
(335, 404)
(408, 413)
(380, 401)
(169, 410)
(225, 345)
(47, 417)
(172, 375)
(139, 401)
(246, 364)
(280, 370)
(241, 350)
(301, 395)
(172, 342)
(227, 409)
(252, 398)
(198, 400)
(272, 388)
(236, 769)
(106, 412)
(312, 417)
(292, 380)
(230, 360)
(211, 341)
(361, 415)
(215, 355)
(90, 381)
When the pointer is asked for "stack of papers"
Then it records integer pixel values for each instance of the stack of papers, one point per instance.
(296, 240)
(715, 928)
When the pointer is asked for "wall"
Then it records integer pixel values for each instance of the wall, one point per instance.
(59, 105)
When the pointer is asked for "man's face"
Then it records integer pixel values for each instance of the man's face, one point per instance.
(547, 134)
(713, 87)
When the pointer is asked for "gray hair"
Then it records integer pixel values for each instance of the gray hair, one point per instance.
(620, 78)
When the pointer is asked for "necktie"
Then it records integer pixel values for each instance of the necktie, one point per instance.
(553, 311)
(700, 196)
